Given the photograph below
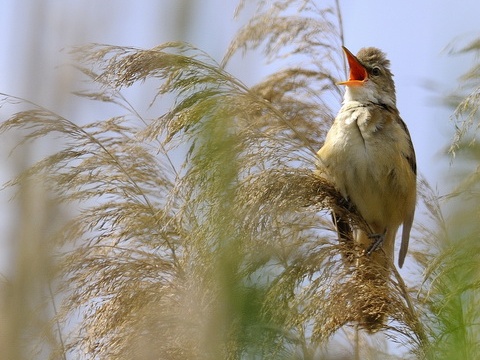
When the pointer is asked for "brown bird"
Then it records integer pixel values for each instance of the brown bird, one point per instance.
(369, 157)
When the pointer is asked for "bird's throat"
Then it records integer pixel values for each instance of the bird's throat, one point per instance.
(367, 94)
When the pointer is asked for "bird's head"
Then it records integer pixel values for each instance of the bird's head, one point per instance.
(370, 77)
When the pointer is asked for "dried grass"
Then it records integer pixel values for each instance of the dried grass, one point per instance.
(228, 253)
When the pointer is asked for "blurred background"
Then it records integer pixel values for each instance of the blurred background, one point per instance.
(417, 37)
(38, 34)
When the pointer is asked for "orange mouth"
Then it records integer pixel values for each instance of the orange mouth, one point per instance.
(358, 74)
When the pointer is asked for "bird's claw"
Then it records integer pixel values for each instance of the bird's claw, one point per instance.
(377, 242)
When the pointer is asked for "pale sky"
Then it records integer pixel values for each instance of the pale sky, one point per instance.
(413, 33)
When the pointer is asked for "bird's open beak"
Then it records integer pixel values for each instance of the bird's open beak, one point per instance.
(358, 74)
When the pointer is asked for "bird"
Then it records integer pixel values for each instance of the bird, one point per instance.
(369, 157)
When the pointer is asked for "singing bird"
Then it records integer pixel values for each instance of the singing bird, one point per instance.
(368, 155)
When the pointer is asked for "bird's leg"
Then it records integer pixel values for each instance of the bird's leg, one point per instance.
(377, 242)
(345, 237)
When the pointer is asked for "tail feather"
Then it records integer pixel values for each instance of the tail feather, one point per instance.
(407, 226)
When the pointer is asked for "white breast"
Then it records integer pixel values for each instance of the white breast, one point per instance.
(362, 156)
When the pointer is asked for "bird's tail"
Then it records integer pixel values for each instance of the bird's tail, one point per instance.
(372, 280)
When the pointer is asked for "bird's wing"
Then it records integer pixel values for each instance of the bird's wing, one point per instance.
(408, 221)
(411, 158)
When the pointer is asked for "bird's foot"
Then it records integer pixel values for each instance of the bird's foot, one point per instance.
(377, 242)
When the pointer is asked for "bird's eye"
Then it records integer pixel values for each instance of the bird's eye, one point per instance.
(376, 71)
